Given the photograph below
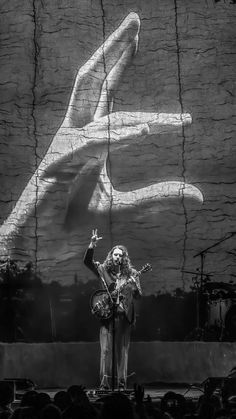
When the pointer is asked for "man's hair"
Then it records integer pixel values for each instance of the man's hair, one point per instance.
(125, 267)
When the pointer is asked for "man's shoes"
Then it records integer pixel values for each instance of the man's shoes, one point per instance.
(104, 387)
(121, 385)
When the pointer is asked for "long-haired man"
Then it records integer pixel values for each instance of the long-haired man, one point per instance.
(116, 272)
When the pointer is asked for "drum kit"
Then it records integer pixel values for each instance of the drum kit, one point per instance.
(217, 301)
(221, 310)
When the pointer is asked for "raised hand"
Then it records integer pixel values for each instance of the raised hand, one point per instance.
(95, 238)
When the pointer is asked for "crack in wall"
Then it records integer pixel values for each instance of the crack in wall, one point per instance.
(108, 160)
(183, 139)
(35, 138)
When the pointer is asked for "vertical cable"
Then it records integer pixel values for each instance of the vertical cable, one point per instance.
(35, 138)
(108, 126)
(180, 97)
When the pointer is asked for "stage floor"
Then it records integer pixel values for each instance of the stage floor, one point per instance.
(156, 392)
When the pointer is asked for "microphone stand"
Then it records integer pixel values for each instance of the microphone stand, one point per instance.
(113, 345)
(115, 305)
(202, 255)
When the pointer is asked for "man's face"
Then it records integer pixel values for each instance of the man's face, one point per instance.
(117, 256)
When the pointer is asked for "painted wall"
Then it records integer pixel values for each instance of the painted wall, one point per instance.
(157, 174)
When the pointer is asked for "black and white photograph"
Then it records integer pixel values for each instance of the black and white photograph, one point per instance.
(118, 209)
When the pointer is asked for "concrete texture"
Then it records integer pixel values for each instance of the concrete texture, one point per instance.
(63, 364)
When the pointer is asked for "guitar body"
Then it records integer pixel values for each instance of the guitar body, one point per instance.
(100, 301)
(101, 305)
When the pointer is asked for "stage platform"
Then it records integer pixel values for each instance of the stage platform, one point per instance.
(60, 365)
(155, 391)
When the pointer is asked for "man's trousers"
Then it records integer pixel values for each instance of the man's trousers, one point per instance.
(122, 341)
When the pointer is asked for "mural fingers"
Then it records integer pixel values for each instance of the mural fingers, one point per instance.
(159, 123)
(106, 195)
(112, 81)
(90, 78)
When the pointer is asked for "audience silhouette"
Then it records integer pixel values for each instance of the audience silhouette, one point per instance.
(74, 403)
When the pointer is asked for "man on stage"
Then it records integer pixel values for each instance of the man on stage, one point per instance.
(116, 272)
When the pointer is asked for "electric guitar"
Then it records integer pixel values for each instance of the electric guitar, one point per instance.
(101, 302)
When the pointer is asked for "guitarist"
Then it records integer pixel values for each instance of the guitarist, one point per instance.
(117, 272)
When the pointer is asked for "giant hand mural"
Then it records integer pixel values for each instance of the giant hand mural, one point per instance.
(71, 185)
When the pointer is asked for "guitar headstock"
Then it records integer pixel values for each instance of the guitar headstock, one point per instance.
(147, 267)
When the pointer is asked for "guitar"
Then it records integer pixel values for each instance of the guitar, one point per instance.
(101, 301)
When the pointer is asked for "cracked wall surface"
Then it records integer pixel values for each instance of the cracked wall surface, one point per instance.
(184, 65)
